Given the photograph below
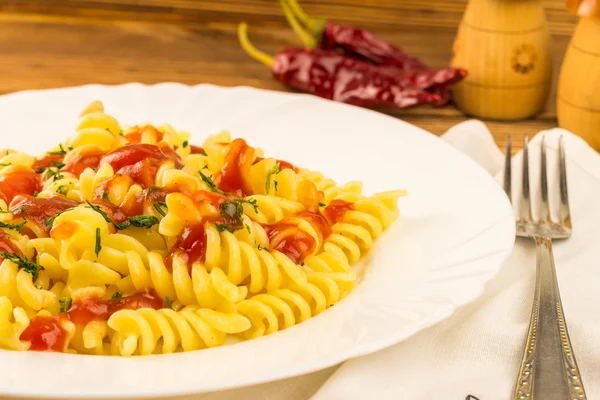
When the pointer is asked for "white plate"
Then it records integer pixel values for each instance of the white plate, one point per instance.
(456, 229)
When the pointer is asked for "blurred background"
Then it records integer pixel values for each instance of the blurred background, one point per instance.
(56, 43)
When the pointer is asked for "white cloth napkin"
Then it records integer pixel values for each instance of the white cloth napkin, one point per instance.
(477, 351)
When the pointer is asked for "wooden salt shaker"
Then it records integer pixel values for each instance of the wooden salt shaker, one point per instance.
(578, 100)
(505, 46)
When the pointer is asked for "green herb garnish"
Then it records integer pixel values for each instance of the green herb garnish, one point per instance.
(169, 302)
(262, 248)
(322, 204)
(57, 164)
(104, 196)
(60, 152)
(117, 295)
(203, 152)
(210, 183)
(65, 304)
(50, 221)
(141, 221)
(62, 189)
(5, 165)
(98, 242)
(273, 171)
(24, 264)
(15, 227)
(248, 228)
(158, 206)
(224, 227)
(184, 144)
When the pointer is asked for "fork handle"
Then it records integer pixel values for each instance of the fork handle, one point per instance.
(548, 370)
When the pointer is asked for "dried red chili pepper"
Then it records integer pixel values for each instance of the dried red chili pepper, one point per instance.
(324, 34)
(338, 77)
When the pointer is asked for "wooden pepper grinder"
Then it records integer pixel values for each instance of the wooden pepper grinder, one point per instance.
(578, 100)
(505, 46)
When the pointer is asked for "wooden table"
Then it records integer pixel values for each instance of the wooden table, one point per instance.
(54, 43)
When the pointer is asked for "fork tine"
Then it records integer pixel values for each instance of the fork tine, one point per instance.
(525, 202)
(507, 170)
(544, 208)
(565, 213)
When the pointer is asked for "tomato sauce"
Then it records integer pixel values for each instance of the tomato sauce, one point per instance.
(286, 237)
(46, 334)
(115, 213)
(196, 149)
(141, 161)
(234, 177)
(336, 210)
(78, 164)
(49, 160)
(17, 182)
(39, 210)
(7, 246)
(318, 222)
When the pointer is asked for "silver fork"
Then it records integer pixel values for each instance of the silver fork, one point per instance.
(548, 370)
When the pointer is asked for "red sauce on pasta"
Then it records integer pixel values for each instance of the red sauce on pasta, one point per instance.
(7, 246)
(17, 182)
(318, 222)
(39, 210)
(196, 149)
(141, 161)
(78, 164)
(94, 309)
(336, 210)
(234, 177)
(286, 237)
(191, 246)
(49, 160)
(143, 200)
(46, 334)
(282, 164)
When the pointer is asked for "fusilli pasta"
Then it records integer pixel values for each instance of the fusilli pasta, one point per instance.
(132, 241)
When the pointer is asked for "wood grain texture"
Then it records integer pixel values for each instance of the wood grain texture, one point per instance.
(56, 43)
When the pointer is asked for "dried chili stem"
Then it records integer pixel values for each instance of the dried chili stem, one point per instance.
(249, 47)
(306, 37)
(315, 25)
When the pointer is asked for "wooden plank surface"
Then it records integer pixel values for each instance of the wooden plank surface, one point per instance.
(55, 43)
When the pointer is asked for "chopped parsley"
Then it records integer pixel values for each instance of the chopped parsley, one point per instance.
(35, 194)
(20, 209)
(15, 227)
(203, 152)
(275, 183)
(62, 189)
(169, 302)
(158, 206)
(3, 211)
(248, 228)
(224, 227)
(98, 242)
(5, 165)
(65, 304)
(104, 196)
(273, 171)
(205, 167)
(60, 152)
(24, 264)
(262, 248)
(184, 144)
(50, 221)
(57, 164)
(53, 173)
(210, 183)
(322, 204)
(142, 221)
(117, 295)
